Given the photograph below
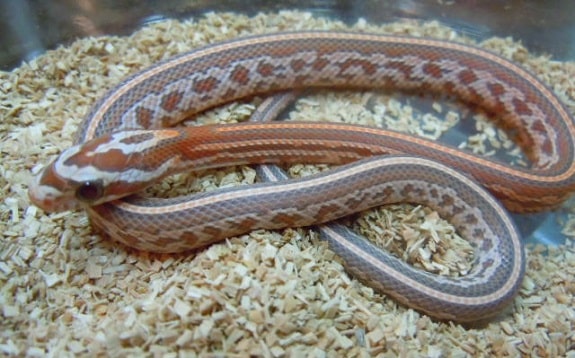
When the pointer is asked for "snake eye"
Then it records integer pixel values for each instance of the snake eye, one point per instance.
(90, 191)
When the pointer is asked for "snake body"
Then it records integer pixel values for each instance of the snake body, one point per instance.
(117, 154)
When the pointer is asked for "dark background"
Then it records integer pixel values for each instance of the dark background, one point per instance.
(29, 27)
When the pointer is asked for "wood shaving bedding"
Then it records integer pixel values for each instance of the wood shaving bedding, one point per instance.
(66, 291)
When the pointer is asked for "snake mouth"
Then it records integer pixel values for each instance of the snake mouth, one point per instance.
(45, 198)
(51, 192)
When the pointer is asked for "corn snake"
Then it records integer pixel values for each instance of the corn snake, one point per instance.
(166, 93)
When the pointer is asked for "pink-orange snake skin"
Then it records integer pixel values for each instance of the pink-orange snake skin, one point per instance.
(117, 154)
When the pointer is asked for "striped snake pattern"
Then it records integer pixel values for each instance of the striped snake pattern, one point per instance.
(123, 147)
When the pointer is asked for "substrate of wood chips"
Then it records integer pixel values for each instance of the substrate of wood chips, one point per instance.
(66, 291)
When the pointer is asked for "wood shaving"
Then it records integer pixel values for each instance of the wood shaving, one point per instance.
(64, 291)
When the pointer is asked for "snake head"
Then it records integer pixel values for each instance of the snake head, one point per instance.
(100, 170)
(57, 189)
